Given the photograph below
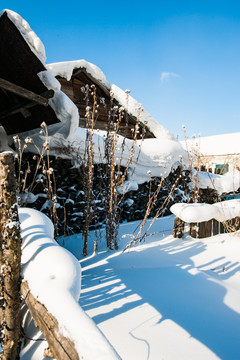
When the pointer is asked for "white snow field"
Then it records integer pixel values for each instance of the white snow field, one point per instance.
(167, 298)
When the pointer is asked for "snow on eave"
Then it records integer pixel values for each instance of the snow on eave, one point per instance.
(27, 33)
(66, 70)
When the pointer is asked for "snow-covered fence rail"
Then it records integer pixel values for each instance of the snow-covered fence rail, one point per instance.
(206, 220)
(51, 288)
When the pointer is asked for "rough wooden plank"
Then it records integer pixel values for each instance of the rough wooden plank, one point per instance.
(61, 347)
(222, 229)
(202, 230)
(208, 228)
(20, 91)
(24, 106)
(215, 227)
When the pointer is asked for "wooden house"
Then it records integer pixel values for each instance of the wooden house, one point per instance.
(83, 73)
(217, 154)
(24, 95)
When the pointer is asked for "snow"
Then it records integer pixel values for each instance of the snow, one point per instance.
(65, 70)
(225, 144)
(226, 183)
(159, 155)
(4, 141)
(199, 212)
(64, 108)
(27, 33)
(166, 298)
(54, 278)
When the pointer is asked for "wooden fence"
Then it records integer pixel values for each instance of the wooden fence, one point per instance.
(205, 229)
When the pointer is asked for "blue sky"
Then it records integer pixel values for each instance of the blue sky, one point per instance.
(181, 59)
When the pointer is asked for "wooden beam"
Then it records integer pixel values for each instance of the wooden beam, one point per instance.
(92, 80)
(22, 107)
(61, 347)
(20, 91)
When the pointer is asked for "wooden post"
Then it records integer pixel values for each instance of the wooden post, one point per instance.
(194, 230)
(222, 230)
(208, 228)
(215, 227)
(202, 230)
(10, 258)
(178, 230)
(61, 348)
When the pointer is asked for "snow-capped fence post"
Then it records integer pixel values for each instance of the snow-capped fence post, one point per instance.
(10, 257)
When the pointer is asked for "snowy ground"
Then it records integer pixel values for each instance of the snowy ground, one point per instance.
(167, 298)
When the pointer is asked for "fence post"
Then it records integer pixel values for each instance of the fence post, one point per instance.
(194, 230)
(10, 258)
(178, 230)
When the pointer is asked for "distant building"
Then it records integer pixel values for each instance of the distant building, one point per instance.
(217, 154)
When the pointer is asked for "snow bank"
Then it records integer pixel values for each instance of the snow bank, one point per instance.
(158, 156)
(54, 278)
(194, 213)
(226, 183)
(65, 70)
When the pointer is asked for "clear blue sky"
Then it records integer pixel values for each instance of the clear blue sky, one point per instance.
(181, 59)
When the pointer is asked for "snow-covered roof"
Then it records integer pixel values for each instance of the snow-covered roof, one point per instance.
(66, 70)
(226, 144)
(21, 61)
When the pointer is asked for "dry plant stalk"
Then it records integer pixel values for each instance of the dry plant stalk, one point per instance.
(116, 177)
(43, 166)
(91, 116)
(159, 212)
(194, 178)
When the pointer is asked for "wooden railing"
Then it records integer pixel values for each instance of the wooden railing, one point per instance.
(205, 229)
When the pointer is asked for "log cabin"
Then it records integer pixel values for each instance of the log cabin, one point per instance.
(75, 75)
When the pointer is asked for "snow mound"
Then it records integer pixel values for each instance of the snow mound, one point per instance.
(226, 183)
(54, 278)
(194, 213)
